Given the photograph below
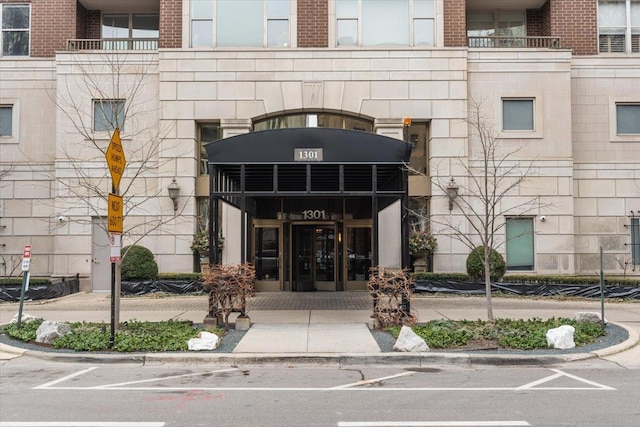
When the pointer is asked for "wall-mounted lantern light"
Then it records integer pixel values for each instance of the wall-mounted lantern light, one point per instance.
(174, 193)
(452, 192)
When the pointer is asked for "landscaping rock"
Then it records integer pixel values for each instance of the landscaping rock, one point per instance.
(50, 330)
(409, 341)
(561, 337)
(26, 318)
(204, 341)
(589, 316)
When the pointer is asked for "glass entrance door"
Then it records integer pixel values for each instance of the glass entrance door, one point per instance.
(358, 243)
(266, 257)
(313, 257)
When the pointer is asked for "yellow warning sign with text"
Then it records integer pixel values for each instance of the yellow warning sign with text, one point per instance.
(115, 158)
(115, 217)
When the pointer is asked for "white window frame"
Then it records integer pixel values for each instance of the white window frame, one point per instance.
(188, 27)
(14, 138)
(538, 130)
(628, 33)
(533, 242)
(2, 30)
(333, 27)
(111, 101)
(614, 136)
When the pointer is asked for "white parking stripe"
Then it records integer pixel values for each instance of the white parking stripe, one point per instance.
(372, 381)
(558, 373)
(49, 384)
(163, 378)
(78, 424)
(434, 424)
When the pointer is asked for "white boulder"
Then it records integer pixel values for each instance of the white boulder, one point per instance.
(561, 337)
(204, 341)
(26, 318)
(409, 341)
(49, 330)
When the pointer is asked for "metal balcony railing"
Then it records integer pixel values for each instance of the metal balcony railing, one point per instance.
(112, 44)
(514, 42)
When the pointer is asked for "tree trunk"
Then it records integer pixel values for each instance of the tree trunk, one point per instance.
(487, 283)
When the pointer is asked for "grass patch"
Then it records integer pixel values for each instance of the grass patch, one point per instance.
(171, 335)
(508, 333)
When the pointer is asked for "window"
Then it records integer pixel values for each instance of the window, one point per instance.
(403, 22)
(496, 29)
(247, 23)
(324, 120)
(208, 133)
(519, 243)
(138, 31)
(628, 119)
(635, 241)
(619, 26)
(108, 114)
(417, 135)
(16, 20)
(6, 120)
(517, 114)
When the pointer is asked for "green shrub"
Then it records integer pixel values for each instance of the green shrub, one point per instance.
(475, 264)
(138, 263)
(27, 331)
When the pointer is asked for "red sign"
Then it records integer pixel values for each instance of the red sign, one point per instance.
(27, 251)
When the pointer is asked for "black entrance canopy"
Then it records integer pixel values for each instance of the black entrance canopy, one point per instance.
(318, 162)
(339, 146)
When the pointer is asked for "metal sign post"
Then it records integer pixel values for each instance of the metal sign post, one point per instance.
(116, 162)
(26, 262)
(601, 289)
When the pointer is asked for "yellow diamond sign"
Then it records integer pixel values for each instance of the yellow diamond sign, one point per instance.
(115, 159)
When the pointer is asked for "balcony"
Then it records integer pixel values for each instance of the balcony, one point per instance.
(516, 42)
(112, 44)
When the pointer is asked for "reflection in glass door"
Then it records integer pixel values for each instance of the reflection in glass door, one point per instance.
(313, 258)
(358, 262)
(267, 258)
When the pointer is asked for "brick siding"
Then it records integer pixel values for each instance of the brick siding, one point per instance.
(94, 24)
(170, 24)
(576, 23)
(534, 23)
(455, 23)
(52, 23)
(313, 23)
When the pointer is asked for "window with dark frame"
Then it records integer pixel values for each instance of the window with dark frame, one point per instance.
(628, 119)
(635, 240)
(518, 114)
(209, 133)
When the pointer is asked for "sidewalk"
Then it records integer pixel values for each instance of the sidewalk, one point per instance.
(327, 327)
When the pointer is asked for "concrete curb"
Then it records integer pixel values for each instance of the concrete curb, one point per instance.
(313, 359)
(632, 341)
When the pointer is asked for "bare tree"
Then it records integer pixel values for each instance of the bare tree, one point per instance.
(492, 175)
(105, 91)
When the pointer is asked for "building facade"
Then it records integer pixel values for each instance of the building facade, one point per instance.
(556, 84)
